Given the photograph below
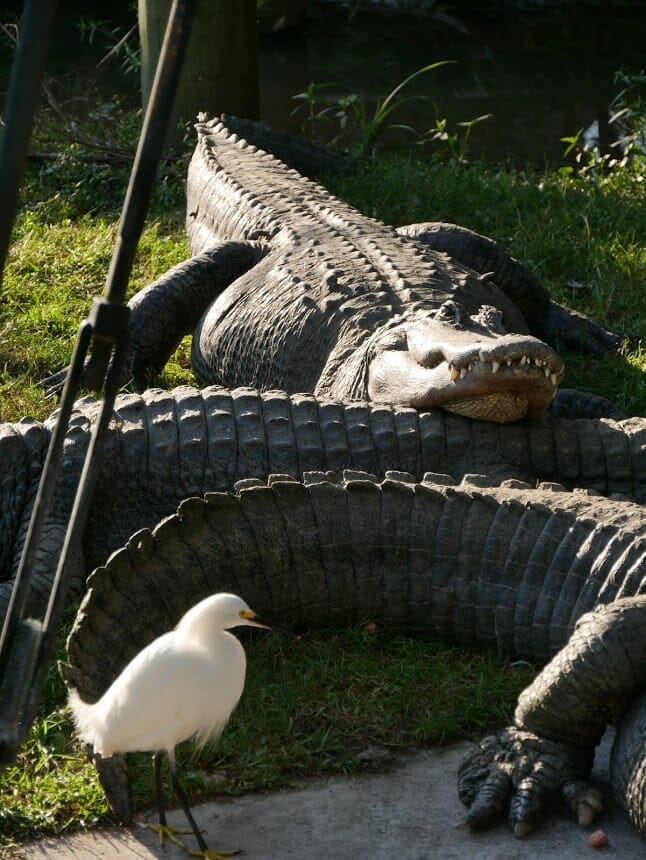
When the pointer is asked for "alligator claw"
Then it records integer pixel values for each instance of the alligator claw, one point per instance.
(584, 801)
(54, 383)
(519, 772)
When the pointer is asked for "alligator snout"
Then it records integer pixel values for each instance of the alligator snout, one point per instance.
(467, 364)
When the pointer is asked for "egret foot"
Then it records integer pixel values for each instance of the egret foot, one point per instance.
(166, 832)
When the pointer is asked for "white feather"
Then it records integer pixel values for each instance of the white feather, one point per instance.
(185, 683)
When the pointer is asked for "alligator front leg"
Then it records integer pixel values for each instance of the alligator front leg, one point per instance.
(162, 313)
(559, 721)
(564, 328)
(486, 257)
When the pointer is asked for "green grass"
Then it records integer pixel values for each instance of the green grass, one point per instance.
(310, 706)
(63, 241)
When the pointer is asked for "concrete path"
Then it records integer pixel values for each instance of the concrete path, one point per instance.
(406, 813)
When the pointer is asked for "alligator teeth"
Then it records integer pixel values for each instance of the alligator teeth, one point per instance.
(482, 355)
(541, 363)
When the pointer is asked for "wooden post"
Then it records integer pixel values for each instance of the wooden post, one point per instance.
(220, 71)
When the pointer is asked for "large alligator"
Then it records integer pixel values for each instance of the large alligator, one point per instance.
(164, 446)
(290, 288)
(515, 567)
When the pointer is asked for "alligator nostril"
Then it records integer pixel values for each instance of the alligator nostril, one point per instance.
(490, 318)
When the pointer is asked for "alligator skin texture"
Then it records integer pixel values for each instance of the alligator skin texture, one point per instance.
(540, 573)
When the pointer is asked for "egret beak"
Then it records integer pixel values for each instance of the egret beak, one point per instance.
(253, 620)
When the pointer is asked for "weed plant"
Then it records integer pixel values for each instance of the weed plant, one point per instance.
(359, 128)
(310, 707)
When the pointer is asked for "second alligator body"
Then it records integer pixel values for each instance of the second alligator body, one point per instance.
(511, 566)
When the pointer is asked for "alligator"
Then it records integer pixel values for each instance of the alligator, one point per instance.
(164, 446)
(291, 288)
(539, 573)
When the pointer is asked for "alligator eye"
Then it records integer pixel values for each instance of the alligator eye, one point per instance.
(451, 312)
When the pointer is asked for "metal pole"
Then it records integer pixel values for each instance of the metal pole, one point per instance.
(26, 643)
(142, 179)
(22, 98)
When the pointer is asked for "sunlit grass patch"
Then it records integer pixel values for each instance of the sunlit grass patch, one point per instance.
(51, 788)
(54, 269)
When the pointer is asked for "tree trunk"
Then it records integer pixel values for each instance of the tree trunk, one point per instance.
(221, 66)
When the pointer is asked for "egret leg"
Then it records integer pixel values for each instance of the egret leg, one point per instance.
(164, 831)
(206, 853)
(181, 796)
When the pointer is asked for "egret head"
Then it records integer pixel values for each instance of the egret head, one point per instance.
(221, 611)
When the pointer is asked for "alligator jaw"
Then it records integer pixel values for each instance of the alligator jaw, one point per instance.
(502, 380)
(466, 363)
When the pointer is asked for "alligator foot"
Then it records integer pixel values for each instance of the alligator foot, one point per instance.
(564, 329)
(571, 403)
(519, 772)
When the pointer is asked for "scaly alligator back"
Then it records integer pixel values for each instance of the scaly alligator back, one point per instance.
(335, 289)
(164, 446)
(510, 567)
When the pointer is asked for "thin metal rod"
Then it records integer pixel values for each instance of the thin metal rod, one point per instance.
(74, 534)
(151, 144)
(15, 610)
(22, 98)
(108, 326)
(144, 171)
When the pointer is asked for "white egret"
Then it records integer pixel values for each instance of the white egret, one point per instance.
(185, 683)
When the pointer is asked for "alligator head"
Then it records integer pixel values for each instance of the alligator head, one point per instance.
(464, 363)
